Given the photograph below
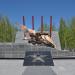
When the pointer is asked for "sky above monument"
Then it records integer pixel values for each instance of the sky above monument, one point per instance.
(15, 9)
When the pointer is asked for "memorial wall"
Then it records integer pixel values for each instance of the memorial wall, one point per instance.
(17, 50)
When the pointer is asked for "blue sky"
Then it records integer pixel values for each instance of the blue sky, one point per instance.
(15, 9)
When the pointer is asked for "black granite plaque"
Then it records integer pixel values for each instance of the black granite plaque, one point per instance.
(38, 58)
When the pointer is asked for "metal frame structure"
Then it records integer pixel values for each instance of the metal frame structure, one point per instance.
(42, 27)
(40, 38)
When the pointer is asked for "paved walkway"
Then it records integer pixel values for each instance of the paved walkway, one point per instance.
(15, 67)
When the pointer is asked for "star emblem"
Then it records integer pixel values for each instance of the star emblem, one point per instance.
(37, 57)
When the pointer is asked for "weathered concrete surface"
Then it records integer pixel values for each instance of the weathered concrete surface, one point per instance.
(38, 70)
(19, 37)
(17, 50)
(56, 40)
(11, 67)
(15, 67)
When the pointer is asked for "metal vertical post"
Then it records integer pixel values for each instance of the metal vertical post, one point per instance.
(50, 26)
(41, 24)
(23, 20)
(33, 22)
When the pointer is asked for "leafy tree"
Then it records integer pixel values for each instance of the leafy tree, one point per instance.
(7, 30)
(72, 33)
(67, 34)
(47, 27)
(62, 30)
(54, 28)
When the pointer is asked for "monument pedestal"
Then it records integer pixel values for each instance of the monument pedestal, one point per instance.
(38, 58)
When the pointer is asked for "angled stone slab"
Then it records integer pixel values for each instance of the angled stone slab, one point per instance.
(38, 58)
(39, 70)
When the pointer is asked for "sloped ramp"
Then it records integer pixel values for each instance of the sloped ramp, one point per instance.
(55, 38)
(38, 58)
(20, 37)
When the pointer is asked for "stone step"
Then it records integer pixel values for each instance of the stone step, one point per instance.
(17, 50)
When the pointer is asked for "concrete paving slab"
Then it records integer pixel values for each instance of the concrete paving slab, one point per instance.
(44, 70)
(15, 67)
(11, 67)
